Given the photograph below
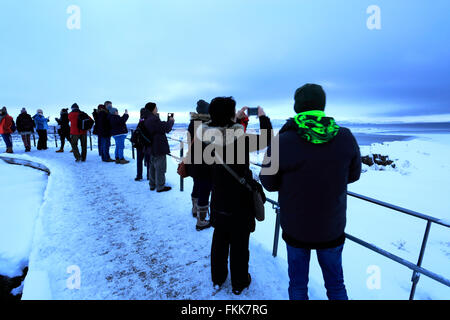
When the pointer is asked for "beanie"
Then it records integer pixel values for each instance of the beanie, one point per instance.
(202, 107)
(75, 107)
(40, 111)
(23, 110)
(309, 97)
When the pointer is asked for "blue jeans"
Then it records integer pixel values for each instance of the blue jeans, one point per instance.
(8, 141)
(104, 145)
(120, 146)
(330, 261)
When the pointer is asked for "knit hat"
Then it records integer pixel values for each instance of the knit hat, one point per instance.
(75, 107)
(23, 110)
(202, 107)
(4, 110)
(40, 111)
(309, 97)
(64, 110)
(150, 106)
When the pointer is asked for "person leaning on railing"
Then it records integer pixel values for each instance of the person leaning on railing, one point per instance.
(317, 159)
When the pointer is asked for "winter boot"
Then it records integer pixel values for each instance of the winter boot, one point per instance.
(9, 150)
(123, 161)
(202, 223)
(60, 150)
(194, 207)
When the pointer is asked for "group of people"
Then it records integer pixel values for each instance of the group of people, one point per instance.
(25, 126)
(316, 157)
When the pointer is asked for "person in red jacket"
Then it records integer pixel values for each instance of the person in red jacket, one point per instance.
(6, 125)
(77, 135)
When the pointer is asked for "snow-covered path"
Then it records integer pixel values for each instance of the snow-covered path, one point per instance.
(128, 242)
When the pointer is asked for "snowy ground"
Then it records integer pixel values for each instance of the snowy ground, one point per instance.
(130, 243)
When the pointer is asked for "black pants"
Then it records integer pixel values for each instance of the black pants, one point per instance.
(63, 140)
(142, 157)
(74, 143)
(236, 244)
(42, 142)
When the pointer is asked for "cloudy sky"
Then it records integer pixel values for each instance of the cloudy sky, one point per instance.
(174, 52)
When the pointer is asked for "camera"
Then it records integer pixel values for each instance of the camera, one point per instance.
(252, 112)
(170, 115)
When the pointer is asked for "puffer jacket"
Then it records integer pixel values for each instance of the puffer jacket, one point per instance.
(40, 121)
(6, 123)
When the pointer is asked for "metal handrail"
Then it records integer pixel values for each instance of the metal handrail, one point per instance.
(417, 268)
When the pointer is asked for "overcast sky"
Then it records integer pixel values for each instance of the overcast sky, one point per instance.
(259, 51)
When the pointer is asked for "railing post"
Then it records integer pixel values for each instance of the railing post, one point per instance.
(90, 139)
(416, 276)
(132, 147)
(181, 157)
(56, 140)
(34, 140)
(277, 233)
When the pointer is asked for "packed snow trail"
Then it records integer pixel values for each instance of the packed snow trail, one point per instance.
(128, 242)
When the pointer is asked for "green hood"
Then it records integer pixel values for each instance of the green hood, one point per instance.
(315, 127)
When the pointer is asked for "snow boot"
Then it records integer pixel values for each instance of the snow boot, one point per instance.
(194, 207)
(202, 223)
(9, 150)
(60, 151)
(238, 291)
(123, 161)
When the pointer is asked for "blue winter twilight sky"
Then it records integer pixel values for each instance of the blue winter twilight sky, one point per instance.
(175, 52)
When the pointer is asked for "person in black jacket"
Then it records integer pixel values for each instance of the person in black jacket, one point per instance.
(142, 157)
(119, 132)
(317, 159)
(200, 172)
(103, 130)
(159, 148)
(25, 127)
(64, 129)
(232, 214)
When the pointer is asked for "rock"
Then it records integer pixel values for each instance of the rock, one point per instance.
(377, 159)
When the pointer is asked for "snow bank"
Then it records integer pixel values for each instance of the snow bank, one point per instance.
(22, 194)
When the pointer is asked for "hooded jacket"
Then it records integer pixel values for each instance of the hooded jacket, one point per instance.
(64, 124)
(231, 202)
(317, 159)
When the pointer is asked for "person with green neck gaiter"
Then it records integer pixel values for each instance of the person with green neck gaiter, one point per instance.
(317, 159)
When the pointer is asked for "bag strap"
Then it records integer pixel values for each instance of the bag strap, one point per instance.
(241, 180)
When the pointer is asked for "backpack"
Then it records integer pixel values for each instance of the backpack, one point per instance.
(140, 137)
(13, 127)
(84, 121)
